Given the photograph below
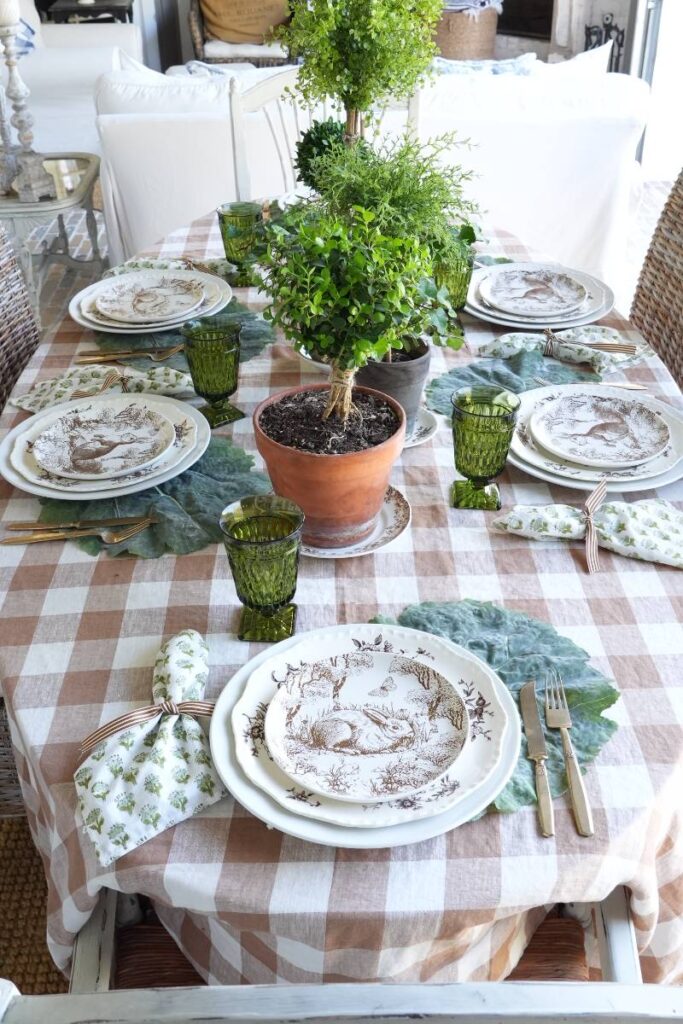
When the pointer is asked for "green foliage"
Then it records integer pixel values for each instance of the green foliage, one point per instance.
(519, 647)
(344, 289)
(514, 374)
(410, 187)
(321, 138)
(188, 507)
(361, 51)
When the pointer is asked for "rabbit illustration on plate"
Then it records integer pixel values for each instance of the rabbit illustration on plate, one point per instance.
(369, 731)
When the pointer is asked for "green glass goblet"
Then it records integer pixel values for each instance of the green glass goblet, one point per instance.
(241, 225)
(456, 276)
(262, 536)
(483, 425)
(212, 347)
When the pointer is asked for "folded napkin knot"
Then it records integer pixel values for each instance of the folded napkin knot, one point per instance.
(151, 767)
(140, 715)
(550, 347)
(593, 503)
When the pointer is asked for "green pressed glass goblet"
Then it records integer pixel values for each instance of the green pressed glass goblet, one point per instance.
(212, 347)
(483, 425)
(240, 225)
(456, 276)
(262, 536)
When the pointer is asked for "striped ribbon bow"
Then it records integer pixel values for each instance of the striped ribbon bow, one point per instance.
(593, 503)
(140, 715)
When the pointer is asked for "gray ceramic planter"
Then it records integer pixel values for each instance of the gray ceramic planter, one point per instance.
(402, 381)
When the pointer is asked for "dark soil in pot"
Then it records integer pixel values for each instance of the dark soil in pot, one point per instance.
(402, 379)
(296, 421)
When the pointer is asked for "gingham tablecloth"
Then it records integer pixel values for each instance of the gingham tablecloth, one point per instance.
(249, 904)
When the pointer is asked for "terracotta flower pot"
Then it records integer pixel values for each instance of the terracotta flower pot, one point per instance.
(403, 381)
(341, 495)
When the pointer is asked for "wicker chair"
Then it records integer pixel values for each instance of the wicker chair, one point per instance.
(199, 38)
(657, 309)
(19, 337)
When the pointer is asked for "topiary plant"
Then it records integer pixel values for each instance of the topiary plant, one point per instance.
(343, 288)
(360, 52)
(321, 139)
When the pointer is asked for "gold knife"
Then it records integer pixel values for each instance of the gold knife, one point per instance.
(81, 524)
(111, 357)
(538, 753)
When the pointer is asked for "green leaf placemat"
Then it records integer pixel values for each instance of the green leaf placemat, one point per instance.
(256, 334)
(514, 374)
(188, 507)
(520, 648)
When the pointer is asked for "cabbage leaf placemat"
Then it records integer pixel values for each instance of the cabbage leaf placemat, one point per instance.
(188, 506)
(519, 647)
(256, 334)
(514, 374)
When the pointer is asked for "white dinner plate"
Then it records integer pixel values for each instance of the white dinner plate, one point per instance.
(185, 430)
(141, 483)
(529, 451)
(328, 834)
(219, 294)
(480, 688)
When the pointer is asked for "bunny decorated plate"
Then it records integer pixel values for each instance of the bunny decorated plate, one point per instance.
(364, 726)
(244, 762)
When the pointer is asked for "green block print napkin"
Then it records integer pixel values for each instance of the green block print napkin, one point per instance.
(515, 374)
(188, 507)
(139, 782)
(157, 380)
(571, 347)
(519, 647)
(651, 529)
(256, 335)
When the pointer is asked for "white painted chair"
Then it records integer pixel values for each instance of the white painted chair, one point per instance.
(160, 172)
(620, 999)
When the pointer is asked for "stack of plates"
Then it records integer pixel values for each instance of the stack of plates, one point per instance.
(533, 296)
(365, 736)
(149, 301)
(576, 434)
(103, 447)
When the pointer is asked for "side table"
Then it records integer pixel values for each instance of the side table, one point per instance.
(64, 10)
(75, 175)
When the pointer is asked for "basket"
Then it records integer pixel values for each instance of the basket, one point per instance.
(462, 36)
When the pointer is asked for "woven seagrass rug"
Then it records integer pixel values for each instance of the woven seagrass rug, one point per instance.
(24, 957)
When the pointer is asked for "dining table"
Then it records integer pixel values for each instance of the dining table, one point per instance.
(250, 904)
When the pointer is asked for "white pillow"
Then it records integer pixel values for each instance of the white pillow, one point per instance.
(588, 64)
(133, 92)
(128, 63)
(28, 12)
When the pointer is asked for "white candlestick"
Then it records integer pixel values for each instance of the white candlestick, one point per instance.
(9, 12)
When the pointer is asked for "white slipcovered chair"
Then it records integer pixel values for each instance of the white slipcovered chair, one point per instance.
(227, 139)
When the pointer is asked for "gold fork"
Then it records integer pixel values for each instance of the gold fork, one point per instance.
(157, 356)
(107, 536)
(557, 716)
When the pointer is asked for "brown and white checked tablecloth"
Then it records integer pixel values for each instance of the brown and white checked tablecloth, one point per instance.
(250, 904)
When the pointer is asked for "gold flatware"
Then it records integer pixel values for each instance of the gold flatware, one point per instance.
(626, 384)
(82, 524)
(157, 355)
(538, 753)
(557, 716)
(626, 348)
(110, 380)
(107, 536)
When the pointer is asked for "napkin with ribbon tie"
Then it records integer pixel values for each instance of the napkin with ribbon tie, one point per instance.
(651, 529)
(570, 346)
(151, 768)
(100, 379)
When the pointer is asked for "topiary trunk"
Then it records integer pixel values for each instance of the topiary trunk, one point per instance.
(340, 403)
(354, 127)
